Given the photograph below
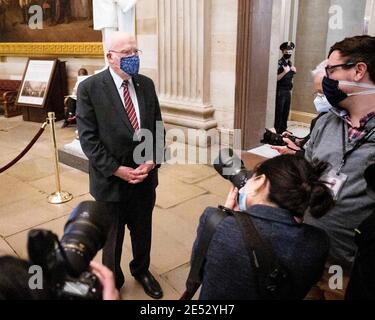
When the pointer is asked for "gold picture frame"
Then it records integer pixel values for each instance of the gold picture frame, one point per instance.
(33, 49)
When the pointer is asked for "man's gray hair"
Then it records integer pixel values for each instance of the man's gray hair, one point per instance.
(320, 68)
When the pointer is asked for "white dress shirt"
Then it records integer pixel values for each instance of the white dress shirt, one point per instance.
(118, 81)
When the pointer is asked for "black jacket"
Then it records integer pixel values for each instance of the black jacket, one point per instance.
(106, 134)
(286, 83)
(228, 273)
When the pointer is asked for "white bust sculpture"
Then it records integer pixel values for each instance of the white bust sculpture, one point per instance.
(114, 15)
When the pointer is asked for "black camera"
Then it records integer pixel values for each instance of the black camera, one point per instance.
(232, 168)
(65, 263)
(275, 139)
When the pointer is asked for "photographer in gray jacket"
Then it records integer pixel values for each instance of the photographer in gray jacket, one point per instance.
(345, 138)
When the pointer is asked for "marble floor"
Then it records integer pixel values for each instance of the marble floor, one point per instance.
(184, 192)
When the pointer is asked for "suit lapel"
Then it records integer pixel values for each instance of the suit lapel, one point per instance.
(141, 100)
(116, 100)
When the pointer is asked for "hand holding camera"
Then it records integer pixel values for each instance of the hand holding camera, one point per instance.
(65, 263)
(232, 168)
(232, 202)
(290, 148)
(106, 279)
(284, 144)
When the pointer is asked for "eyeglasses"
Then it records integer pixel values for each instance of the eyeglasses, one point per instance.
(128, 53)
(330, 69)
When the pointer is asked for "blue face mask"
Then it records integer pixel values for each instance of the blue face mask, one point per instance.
(130, 65)
(242, 200)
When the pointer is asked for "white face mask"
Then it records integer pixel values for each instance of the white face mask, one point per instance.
(321, 104)
(359, 85)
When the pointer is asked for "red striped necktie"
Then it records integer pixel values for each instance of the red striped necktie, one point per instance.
(129, 107)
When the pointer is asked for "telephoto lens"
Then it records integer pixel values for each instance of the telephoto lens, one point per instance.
(85, 234)
(232, 168)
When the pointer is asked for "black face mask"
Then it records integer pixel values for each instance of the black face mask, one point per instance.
(332, 91)
(287, 56)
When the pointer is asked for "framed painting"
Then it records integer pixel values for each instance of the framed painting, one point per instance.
(48, 27)
(36, 82)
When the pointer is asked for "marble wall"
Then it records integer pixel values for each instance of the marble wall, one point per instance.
(223, 60)
(317, 31)
(370, 16)
(311, 43)
(353, 14)
(14, 67)
(189, 50)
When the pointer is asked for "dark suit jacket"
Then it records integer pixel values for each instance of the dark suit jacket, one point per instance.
(106, 134)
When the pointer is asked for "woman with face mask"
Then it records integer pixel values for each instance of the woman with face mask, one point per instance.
(277, 196)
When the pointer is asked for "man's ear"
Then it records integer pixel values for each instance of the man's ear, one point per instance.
(360, 71)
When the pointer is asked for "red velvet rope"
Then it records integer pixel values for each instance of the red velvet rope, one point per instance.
(26, 150)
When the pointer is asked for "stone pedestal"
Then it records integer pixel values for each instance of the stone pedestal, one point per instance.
(72, 155)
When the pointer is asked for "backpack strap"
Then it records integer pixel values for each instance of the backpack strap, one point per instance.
(195, 276)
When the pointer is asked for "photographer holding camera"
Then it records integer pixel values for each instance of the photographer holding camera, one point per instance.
(276, 198)
(68, 269)
(15, 276)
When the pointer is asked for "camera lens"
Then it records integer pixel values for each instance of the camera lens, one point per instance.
(85, 234)
(231, 168)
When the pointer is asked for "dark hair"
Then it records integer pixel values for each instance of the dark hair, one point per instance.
(358, 49)
(295, 185)
(82, 72)
(14, 280)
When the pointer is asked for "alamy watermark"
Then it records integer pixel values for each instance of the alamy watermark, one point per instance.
(336, 281)
(336, 19)
(36, 17)
(36, 278)
(189, 146)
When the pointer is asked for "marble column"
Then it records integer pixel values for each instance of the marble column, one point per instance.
(370, 17)
(310, 51)
(352, 15)
(184, 37)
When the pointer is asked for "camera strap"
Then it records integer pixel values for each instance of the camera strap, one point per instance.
(195, 276)
(267, 267)
(358, 144)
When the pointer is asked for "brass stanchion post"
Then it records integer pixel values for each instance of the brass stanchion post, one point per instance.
(59, 196)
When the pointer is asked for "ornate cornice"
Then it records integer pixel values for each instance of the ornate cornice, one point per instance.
(71, 49)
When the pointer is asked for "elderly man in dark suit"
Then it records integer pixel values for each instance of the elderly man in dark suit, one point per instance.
(117, 113)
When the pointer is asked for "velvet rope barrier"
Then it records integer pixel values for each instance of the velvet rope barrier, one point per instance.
(26, 150)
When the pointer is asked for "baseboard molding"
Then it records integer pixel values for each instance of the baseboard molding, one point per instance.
(303, 117)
